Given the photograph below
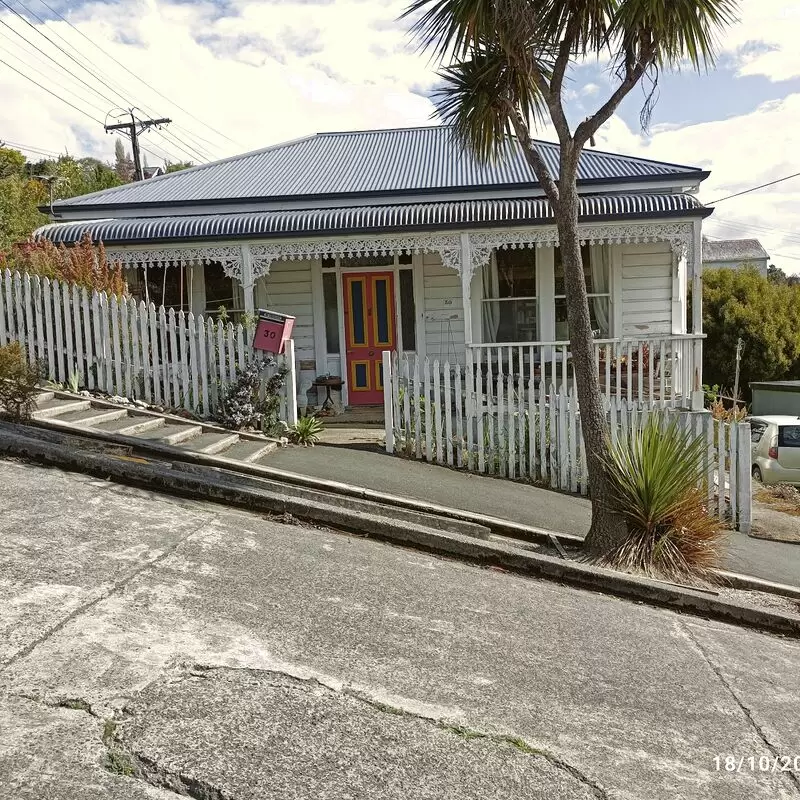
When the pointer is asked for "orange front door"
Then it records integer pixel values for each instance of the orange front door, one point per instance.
(369, 329)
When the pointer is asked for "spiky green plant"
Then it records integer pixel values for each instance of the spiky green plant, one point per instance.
(306, 431)
(655, 477)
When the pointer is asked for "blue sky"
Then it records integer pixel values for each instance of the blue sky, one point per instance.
(242, 74)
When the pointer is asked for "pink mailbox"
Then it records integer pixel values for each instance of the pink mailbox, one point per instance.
(272, 331)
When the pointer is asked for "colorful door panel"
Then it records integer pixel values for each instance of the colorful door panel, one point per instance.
(369, 330)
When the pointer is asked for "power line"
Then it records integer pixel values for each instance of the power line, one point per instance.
(759, 229)
(754, 189)
(113, 101)
(138, 78)
(29, 148)
(784, 255)
(58, 97)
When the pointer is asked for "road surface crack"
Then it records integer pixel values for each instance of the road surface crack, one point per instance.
(112, 590)
(455, 729)
(793, 777)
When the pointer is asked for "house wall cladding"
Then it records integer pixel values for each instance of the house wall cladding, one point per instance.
(287, 289)
(646, 289)
(443, 310)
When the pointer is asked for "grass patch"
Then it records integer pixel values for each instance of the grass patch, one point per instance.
(781, 497)
(119, 764)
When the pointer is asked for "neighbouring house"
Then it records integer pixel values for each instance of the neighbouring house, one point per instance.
(399, 240)
(152, 172)
(776, 397)
(734, 254)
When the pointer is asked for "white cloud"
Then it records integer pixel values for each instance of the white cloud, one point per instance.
(266, 72)
(765, 42)
(260, 72)
(740, 152)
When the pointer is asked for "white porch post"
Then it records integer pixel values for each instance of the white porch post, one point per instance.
(247, 280)
(466, 286)
(696, 256)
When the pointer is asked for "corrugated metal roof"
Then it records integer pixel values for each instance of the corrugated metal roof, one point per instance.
(733, 250)
(342, 221)
(364, 162)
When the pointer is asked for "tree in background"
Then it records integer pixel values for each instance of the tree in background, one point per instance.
(765, 314)
(123, 163)
(505, 63)
(177, 166)
(23, 189)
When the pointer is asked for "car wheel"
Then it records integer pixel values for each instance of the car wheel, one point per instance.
(757, 474)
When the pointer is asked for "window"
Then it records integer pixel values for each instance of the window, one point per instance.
(331, 312)
(596, 274)
(408, 327)
(757, 431)
(789, 436)
(509, 310)
(166, 286)
(220, 290)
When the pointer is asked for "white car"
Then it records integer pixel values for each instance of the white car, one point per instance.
(776, 449)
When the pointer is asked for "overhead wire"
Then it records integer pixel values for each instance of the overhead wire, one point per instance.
(191, 152)
(58, 97)
(198, 151)
(139, 78)
(755, 188)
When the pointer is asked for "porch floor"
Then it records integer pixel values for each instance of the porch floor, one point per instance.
(355, 416)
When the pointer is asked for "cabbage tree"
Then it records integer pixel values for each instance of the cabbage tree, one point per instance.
(503, 68)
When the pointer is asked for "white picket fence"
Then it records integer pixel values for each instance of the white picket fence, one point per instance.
(129, 348)
(448, 415)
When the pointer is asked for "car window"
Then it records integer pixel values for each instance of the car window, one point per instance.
(789, 436)
(757, 431)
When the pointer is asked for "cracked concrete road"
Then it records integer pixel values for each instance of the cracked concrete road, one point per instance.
(154, 648)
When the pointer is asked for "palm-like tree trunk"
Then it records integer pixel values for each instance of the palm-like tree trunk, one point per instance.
(607, 529)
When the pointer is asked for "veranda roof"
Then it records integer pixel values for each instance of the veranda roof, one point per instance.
(368, 219)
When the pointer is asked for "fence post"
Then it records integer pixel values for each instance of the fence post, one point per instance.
(388, 400)
(744, 483)
(291, 384)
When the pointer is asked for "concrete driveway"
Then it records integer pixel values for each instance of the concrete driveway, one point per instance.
(153, 648)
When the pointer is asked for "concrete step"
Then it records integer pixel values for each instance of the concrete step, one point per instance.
(171, 434)
(43, 397)
(93, 416)
(211, 443)
(49, 409)
(249, 450)
(130, 425)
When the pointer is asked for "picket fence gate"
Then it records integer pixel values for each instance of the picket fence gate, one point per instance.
(509, 428)
(128, 348)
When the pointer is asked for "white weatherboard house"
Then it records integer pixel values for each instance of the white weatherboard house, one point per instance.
(398, 239)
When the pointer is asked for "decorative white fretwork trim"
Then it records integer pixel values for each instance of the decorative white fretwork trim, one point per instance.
(448, 245)
(229, 257)
(680, 235)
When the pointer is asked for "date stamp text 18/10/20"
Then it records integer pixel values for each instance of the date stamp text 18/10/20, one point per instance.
(731, 763)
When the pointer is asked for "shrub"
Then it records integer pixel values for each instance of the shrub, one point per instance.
(84, 264)
(654, 477)
(18, 382)
(306, 431)
(243, 404)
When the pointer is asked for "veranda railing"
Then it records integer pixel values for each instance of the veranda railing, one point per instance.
(653, 369)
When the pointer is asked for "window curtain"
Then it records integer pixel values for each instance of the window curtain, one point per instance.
(489, 311)
(600, 269)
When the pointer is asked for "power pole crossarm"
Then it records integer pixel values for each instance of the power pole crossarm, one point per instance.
(135, 128)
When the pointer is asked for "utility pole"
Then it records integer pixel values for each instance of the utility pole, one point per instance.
(135, 129)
